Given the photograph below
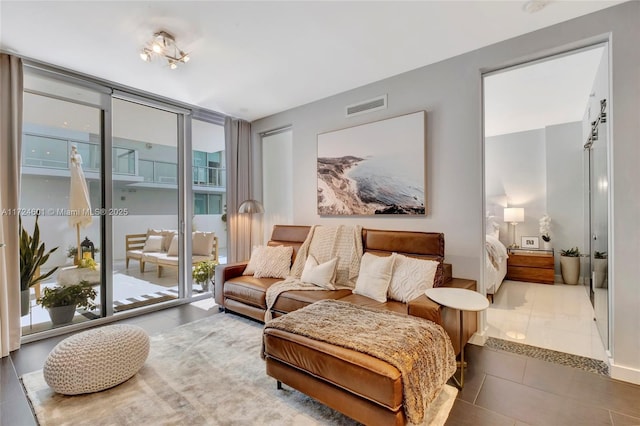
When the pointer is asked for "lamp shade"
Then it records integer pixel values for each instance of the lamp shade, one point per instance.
(514, 214)
(251, 207)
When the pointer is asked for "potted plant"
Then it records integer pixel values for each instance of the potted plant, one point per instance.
(61, 302)
(32, 257)
(203, 273)
(570, 265)
(600, 269)
(545, 229)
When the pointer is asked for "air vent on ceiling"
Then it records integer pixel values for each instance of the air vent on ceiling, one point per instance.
(367, 106)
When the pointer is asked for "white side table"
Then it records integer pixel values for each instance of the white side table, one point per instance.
(73, 275)
(463, 300)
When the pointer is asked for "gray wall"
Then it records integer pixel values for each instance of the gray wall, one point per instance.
(451, 93)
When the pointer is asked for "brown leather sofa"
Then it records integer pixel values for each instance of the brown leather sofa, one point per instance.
(246, 295)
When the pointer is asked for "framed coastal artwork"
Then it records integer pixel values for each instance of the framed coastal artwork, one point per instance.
(373, 169)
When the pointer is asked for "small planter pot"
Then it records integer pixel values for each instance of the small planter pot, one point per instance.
(61, 314)
(570, 267)
(546, 245)
(600, 270)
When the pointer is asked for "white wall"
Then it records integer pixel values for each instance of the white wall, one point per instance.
(565, 187)
(277, 181)
(450, 92)
(516, 170)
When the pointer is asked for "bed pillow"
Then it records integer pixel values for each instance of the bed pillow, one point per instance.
(269, 262)
(374, 277)
(411, 277)
(153, 244)
(322, 274)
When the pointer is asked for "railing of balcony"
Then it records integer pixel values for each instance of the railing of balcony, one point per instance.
(52, 152)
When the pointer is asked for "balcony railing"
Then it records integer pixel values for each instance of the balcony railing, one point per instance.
(51, 152)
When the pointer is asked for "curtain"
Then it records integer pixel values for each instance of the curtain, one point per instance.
(10, 146)
(239, 174)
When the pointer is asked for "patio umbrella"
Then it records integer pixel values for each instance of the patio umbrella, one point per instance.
(79, 204)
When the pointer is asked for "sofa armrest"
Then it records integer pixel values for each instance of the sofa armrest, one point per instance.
(223, 274)
(426, 308)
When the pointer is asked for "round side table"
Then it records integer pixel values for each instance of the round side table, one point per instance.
(462, 300)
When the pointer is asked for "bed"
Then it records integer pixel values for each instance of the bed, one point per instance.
(495, 258)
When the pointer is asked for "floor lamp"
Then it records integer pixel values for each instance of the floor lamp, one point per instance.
(513, 215)
(250, 207)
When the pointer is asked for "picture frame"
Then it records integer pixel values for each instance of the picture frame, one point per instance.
(530, 242)
(376, 168)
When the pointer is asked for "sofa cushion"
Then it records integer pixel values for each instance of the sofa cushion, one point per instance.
(322, 274)
(249, 290)
(153, 244)
(374, 277)
(291, 300)
(202, 243)
(173, 247)
(411, 277)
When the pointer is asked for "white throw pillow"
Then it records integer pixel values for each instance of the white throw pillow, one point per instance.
(153, 243)
(173, 247)
(411, 277)
(374, 277)
(269, 262)
(202, 243)
(321, 275)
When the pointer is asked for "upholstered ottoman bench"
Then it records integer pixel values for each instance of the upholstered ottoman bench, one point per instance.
(96, 359)
(376, 367)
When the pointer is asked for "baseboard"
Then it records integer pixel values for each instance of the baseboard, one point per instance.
(626, 374)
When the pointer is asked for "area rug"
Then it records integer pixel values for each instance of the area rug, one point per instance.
(576, 361)
(208, 372)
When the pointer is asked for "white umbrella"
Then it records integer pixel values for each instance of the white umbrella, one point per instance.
(79, 204)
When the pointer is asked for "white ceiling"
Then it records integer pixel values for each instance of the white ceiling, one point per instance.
(253, 59)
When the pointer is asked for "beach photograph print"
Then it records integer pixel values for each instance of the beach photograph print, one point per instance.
(375, 168)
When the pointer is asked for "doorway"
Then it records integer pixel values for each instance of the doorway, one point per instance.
(544, 161)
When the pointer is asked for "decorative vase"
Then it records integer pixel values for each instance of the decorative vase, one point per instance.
(546, 245)
(61, 314)
(570, 268)
(600, 270)
(25, 296)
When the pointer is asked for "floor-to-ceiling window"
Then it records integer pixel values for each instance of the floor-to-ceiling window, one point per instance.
(62, 133)
(152, 207)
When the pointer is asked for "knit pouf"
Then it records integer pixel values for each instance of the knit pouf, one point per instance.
(96, 359)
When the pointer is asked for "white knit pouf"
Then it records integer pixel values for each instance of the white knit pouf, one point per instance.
(96, 359)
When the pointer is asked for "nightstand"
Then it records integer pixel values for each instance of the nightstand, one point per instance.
(536, 266)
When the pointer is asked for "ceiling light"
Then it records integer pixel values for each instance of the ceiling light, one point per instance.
(163, 45)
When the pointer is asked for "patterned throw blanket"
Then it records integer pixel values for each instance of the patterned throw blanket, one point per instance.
(421, 350)
(324, 243)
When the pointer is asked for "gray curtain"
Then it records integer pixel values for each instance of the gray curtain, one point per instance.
(11, 82)
(239, 174)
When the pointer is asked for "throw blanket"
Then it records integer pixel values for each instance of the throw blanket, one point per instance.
(420, 349)
(324, 243)
(496, 251)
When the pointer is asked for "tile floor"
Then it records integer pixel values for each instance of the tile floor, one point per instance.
(501, 388)
(558, 317)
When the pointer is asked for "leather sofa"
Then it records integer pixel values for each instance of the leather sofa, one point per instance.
(246, 295)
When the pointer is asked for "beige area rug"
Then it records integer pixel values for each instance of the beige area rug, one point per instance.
(208, 372)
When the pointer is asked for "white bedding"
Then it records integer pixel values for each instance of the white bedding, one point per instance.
(496, 260)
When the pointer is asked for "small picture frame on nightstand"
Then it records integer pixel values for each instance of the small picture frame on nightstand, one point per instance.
(530, 242)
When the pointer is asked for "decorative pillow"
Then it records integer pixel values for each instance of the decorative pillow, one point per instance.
(269, 262)
(153, 243)
(374, 277)
(202, 243)
(167, 237)
(273, 262)
(321, 275)
(411, 277)
(173, 247)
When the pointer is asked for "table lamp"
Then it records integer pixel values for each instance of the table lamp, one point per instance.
(513, 215)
